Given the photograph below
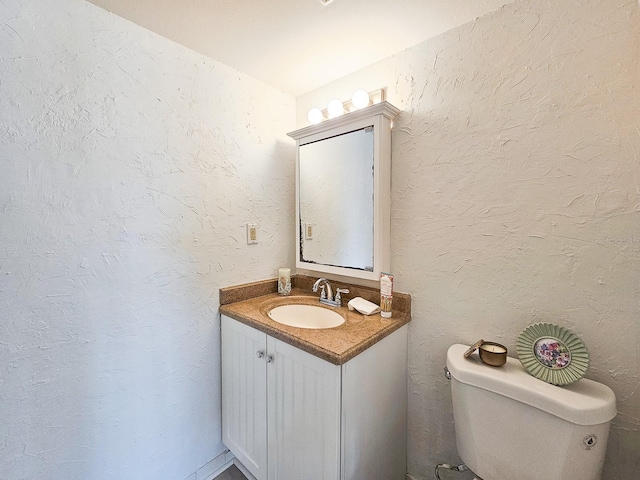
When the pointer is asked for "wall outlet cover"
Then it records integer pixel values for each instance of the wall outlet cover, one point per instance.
(252, 233)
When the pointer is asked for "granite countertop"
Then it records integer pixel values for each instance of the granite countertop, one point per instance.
(336, 345)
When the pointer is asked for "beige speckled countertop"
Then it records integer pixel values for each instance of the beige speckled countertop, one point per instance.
(336, 345)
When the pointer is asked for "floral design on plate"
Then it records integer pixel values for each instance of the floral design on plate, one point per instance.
(552, 353)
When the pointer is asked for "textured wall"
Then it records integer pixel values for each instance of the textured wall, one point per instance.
(516, 198)
(128, 166)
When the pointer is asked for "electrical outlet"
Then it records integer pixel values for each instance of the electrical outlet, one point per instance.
(252, 233)
(308, 231)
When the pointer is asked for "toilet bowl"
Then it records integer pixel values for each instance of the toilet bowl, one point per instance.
(510, 425)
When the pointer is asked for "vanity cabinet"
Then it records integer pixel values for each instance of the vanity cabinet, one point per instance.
(280, 406)
(289, 415)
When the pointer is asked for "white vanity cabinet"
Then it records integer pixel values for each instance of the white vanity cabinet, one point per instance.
(289, 415)
(280, 406)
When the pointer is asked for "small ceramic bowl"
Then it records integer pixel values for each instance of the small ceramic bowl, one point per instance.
(493, 354)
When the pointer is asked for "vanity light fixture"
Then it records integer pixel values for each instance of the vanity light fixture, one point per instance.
(360, 99)
(315, 116)
(335, 108)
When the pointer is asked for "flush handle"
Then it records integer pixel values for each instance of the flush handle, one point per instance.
(590, 441)
(447, 373)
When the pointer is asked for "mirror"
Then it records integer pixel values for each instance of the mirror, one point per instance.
(336, 200)
(342, 190)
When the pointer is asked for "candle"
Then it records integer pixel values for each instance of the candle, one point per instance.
(493, 354)
(493, 348)
(284, 281)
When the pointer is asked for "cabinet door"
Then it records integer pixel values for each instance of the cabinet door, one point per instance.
(244, 395)
(304, 415)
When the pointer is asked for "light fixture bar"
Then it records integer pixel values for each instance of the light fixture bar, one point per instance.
(377, 96)
(336, 107)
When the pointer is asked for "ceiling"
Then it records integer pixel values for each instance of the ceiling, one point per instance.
(299, 45)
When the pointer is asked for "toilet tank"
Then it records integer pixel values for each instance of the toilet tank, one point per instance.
(512, 426)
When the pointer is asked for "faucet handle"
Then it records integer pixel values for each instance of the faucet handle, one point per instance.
(323, 294)
(338, 298)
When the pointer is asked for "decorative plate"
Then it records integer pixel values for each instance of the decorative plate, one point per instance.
(552, 353)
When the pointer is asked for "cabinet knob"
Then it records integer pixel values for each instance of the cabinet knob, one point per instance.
(269, 358)
(260, 353)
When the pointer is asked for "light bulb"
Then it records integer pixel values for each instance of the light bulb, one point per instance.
(335, 108)
(360, 99)
(315, 116)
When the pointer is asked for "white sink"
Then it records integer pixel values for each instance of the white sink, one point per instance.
(306, 316)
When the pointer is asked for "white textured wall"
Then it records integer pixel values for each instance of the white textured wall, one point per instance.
(516, 198)
(128, 166)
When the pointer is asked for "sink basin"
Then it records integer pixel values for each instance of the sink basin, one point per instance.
(305, 316)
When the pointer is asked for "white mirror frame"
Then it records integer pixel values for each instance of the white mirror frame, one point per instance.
(381, 116)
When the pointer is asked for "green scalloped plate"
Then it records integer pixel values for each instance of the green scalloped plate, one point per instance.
(552, 353)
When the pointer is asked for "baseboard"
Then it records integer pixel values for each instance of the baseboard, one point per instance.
(213, 468)
(243, 469)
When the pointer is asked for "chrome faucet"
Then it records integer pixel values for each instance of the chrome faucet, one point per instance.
(326, 296)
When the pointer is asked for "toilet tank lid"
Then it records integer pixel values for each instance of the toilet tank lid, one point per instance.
(583, 403)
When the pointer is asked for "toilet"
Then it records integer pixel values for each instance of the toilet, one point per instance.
(511, 426)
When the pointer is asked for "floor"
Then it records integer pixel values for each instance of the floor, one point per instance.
(231, 474)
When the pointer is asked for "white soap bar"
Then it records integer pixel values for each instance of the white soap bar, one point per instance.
(363, 306)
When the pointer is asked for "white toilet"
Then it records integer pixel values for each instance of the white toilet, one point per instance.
(512, 426)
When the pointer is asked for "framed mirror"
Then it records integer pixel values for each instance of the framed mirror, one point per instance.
(342, 193)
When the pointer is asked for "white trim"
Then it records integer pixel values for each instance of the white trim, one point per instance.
(213, 468)
(383, 108)
(243, 469)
